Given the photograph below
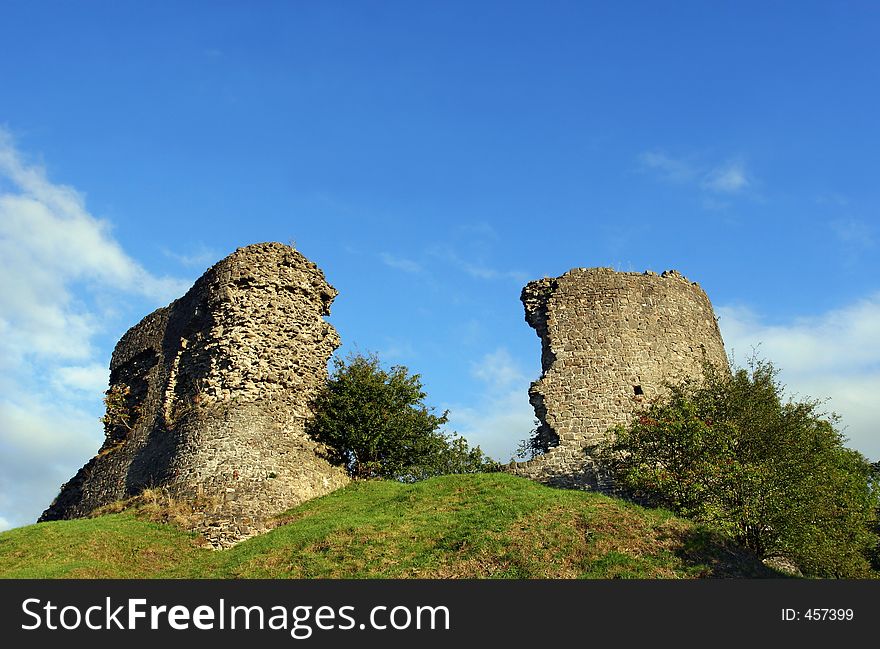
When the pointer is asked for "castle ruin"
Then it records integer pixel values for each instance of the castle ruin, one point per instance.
(609, 341)
(209, 397)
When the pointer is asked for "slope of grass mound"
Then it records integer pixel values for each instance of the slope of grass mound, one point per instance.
(474, 526)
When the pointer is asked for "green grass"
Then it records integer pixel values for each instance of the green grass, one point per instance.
(475, 526)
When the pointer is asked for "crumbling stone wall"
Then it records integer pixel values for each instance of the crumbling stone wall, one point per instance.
(212, 395)
(609, 341)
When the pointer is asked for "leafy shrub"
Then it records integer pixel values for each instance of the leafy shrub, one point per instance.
(376, 424)
(773, 474)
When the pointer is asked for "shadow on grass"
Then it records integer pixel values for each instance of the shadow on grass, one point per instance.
(722, 557)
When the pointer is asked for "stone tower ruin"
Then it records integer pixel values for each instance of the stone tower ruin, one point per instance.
(209, 397)
(609, 341)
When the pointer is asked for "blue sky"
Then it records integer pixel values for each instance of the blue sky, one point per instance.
(432, 158)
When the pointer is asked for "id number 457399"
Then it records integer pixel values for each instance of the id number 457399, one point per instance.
(818, 615)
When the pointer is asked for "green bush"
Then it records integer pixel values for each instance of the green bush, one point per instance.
(773, 474)
(376, 424)
(874, 553)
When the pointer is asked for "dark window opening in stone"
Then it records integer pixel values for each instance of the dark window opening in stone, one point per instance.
(638, 390)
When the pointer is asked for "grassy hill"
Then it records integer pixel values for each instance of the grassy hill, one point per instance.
(474, 526)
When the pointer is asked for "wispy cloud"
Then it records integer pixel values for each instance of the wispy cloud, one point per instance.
(833, 354)
(502, 416)
(61, 267)
(91, 379)
(855, 239)
(668, 168)
(498, 371)
(729, 177)
(201, 257)
(479, 229)
(477, 269)
(396, 350)
(400, 263)
(854, 233)
(832, 198)
(45, 438)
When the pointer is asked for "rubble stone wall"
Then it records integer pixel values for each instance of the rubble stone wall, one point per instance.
(215, 390)
(609, 341)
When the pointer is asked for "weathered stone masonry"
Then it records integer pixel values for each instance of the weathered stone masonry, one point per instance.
(609, 341)
(218, 386)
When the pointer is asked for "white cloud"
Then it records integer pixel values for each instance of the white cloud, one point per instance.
(400, 263)
(855, 239)
(833, 355)
(396, 350)
(833, 199)
(498, 371)
(502, 416)
(92, 379)
(670, 169)
(854, 233)
(64, 279)
(44, 439)
(479, 229)
(730, 177)
(840, 340)
(4, 524)
(477, 270)
(727, 179)
(41, 430)
(200, 258)
(48, 243)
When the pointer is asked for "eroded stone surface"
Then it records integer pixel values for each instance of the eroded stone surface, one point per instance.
(218, 386)
(609, 341)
